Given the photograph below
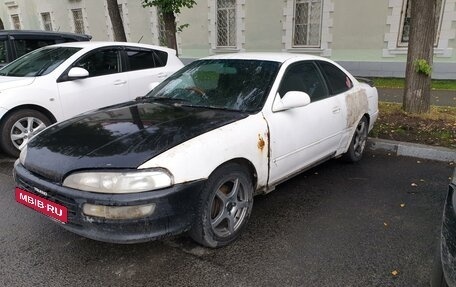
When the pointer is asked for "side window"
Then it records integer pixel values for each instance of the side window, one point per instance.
(304, 77)
(161, 58)
(101, 62)
(337, 80)
(24, 46)
(140, 59)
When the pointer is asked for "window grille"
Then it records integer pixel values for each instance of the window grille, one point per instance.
(307, 23)
(78, 21)
(47, 23)
(226, 23)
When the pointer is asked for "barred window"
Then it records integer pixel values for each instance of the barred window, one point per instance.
(78, 21)
(307, 23)
(226, 23)
(47, 23)
(404, 34)
(16, 21)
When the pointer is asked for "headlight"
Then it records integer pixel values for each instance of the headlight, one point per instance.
(119, 182)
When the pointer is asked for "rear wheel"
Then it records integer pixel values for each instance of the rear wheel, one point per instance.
(18, 127)
(358, 142)
(224, 207)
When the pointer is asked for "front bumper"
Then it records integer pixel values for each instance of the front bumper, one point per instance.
(174, 212)
(448, 242)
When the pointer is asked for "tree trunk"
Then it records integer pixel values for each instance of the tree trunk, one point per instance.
(170, 27)
(116, 21)
(417, 91)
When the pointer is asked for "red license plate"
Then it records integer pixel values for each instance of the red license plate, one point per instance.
(42, 205)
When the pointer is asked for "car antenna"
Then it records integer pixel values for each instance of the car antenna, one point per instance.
(140, 39)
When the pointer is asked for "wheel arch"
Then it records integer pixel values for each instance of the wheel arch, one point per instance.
(248, 165)
(38, 108)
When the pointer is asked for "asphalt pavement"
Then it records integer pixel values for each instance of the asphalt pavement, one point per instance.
(336, 225)
(438, 97)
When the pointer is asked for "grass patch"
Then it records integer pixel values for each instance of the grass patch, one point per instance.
(435, 128)
(400, 83)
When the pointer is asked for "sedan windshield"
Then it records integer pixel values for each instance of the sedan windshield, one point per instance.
(39, 62)
(239, 85)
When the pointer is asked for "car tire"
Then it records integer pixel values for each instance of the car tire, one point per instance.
(358, 142)
(18, 127)
(437, 277)
(224, 206)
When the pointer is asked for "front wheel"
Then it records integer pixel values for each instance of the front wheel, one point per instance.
(358, 142)
(224, 207)
(18, 127)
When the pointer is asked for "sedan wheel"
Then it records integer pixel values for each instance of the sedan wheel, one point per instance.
(19, 127)
(358, 142)
(225, 206)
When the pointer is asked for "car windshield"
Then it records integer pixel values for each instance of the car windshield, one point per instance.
(39, 62)
(238, 85)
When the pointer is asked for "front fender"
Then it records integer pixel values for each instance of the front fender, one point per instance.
(198, 157)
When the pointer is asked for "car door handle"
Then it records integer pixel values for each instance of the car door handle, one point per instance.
(162, 75)
(336, 110)
(119, 82)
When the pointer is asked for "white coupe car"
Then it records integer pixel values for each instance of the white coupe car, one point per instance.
(191, 154)
(57, 82)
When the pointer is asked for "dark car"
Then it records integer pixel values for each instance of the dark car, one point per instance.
(15, 43)
(444, 271)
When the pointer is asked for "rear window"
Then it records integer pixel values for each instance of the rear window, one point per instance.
(140, 59)
(161, 57)
(338, 81)
(24, 46)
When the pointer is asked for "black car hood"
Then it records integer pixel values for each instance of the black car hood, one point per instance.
(119, 137)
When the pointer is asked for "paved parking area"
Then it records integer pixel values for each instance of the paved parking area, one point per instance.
(335, 225)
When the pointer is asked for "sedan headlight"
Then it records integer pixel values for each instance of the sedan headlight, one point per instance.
(119, 182)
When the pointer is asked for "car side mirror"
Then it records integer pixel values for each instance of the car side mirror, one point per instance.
(291, 100)
(77, 73)
(153, 85)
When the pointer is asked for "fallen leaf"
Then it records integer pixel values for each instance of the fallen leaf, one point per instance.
(414, 184)
(418, 161)
(394, 272)
(402, 204)
(316, 173)
(384, 223)
(422, 180)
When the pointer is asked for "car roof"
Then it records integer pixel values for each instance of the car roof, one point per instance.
(275, 57)
(99, 44)
(45, 33)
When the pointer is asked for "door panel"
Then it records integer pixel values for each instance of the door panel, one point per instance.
(302, 136)
(105, 86)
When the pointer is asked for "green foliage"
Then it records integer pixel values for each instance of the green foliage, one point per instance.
(423, 67)
(182, 27)
(169, 6)
(400, 83)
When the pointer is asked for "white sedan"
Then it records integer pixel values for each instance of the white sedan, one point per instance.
(191, 154)
(60, 81)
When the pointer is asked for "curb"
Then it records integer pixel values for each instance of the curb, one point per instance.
(413, 150)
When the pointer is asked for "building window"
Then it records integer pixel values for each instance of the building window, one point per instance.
(404, 34)
(307, 23)
(47, 23)
(78, 21)
(226, 23)
(16, 22)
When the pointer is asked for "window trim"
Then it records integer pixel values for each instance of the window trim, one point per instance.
(324, 48)
(294, 25)
(240, 28)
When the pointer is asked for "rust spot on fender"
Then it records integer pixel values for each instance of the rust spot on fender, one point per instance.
(261, 142)
(357, 105)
